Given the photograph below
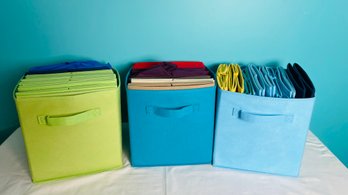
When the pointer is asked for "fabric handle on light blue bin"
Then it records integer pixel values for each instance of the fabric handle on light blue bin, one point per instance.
(176, 112)
(264, 118)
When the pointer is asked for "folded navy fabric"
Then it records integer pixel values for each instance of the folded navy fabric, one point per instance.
(69, 67)
(302, 75)
(296, 81)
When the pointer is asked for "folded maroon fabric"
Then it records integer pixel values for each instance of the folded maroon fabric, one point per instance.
(168, 70)
(179, 64)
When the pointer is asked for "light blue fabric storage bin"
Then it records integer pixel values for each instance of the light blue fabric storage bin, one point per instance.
(171, 127)
(262, 134)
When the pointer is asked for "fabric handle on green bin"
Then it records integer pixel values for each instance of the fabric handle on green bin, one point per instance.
(171, 112)
(264, 118)
(70, 119)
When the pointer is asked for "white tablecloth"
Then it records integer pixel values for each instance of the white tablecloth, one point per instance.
(321, 173)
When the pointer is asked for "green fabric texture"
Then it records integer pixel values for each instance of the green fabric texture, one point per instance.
(71, 123)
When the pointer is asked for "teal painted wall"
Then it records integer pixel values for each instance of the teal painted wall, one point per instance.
(313, 33)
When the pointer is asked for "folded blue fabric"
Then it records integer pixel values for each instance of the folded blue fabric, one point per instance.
(69, 67)
(248, 88)
(285, 84)
(272, 74)
(269, 82)
(256, 80)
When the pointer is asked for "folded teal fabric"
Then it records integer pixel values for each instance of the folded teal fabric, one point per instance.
(272, 74)
(267, 81)
(255, 80)
(248, 88)
(285, 85)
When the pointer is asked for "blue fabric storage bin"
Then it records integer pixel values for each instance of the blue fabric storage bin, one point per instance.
(171, 127)
(262, 134)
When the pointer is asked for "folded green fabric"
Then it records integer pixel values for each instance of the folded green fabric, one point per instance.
(66, 79)
(62, 84)
(21, 95)
(22, 88)
(65, 74)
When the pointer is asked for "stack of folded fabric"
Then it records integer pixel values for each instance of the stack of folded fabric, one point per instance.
(262, 118)
(66, 79)
(169, 76)
(301, 81)
(273, 81)
(69, 67)
(171, 109)
(69, 83)
(230, 78)
(70, 118)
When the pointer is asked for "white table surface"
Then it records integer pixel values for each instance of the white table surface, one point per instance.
(321, 173)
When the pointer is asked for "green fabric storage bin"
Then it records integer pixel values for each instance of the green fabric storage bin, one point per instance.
(71, 134)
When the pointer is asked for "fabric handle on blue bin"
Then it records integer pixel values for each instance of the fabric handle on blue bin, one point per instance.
(69, 119)
(176, 112)
(258, 117)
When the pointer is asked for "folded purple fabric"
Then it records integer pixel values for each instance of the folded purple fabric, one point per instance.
(168, 70)
(189, 72)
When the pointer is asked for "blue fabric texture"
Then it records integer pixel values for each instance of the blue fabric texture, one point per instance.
(267, 81)
(285, 85)
(257, 80)
(69, 67)
(263, 134)
(171, 127)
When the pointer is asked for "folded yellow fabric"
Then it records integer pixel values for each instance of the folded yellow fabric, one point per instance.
(238, 80)
(223, 76)
(230, 78)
